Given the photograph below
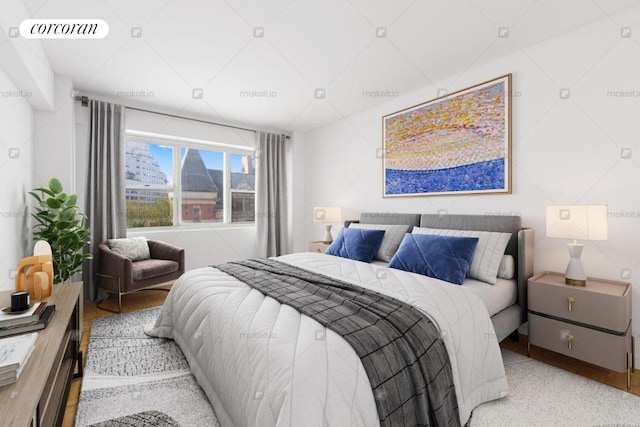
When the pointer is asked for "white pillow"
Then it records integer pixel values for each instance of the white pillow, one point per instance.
(488, 254)
(507, 267)
(135, 248)
(393, 235)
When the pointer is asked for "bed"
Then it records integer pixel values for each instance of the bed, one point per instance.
(263, 363)
(507, 320)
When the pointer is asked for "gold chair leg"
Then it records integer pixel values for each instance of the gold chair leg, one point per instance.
(119, 292)
(110, 310)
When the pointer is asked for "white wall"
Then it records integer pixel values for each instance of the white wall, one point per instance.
(206, 246)
(298, 201)
(16, 142)
(25, 62)
(54, 139)
(565, 151)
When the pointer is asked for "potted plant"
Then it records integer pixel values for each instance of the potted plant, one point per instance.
(60, 222)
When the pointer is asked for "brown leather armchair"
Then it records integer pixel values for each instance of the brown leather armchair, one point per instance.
(120, 275)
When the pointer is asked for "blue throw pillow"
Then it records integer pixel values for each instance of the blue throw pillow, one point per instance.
(444, 257)
(356, 244)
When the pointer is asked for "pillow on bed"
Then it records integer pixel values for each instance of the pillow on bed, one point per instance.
(443, 257)
(135, 248)
(359, 245)
(486, 260)
(507, 267)
(393, 235)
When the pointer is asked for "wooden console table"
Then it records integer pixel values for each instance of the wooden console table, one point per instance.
(39, 397)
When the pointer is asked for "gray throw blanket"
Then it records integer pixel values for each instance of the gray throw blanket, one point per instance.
(401, 349)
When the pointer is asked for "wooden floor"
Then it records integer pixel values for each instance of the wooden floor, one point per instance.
(596, 373)
(148, 299)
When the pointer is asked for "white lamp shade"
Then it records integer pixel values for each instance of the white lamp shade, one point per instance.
(578, 222)
(327, 214)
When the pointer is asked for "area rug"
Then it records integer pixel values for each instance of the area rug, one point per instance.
(131, 379)
(543, 395)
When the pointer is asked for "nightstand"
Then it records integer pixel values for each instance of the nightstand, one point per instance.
(318, 246)
(590, 323)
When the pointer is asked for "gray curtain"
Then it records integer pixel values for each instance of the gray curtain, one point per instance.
(271, 195)
(105, 200)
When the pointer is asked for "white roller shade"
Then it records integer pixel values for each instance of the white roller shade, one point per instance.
(149, 124)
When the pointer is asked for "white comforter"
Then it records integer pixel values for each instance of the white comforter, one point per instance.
(264, 364)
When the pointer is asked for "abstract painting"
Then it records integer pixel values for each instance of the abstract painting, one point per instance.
(457, 144)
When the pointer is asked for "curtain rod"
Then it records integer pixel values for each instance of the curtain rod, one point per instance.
(85, 103)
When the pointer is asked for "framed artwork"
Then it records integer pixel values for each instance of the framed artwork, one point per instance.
(457, 144)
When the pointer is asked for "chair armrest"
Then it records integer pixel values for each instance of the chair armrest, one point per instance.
(113, 264)
(164, 250)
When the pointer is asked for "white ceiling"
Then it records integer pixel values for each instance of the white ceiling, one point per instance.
(306, 45)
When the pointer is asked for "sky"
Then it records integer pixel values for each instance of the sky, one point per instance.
(212, 159)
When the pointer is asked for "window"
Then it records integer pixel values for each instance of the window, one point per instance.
(243, 184)
(148, 188)
(174, 183)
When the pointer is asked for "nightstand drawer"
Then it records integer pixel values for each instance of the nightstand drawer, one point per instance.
(609, 311)
(600, 348)
(318, 246)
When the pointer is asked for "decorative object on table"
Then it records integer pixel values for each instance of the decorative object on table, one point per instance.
(60, 222)
(577, 222)
(10, 317)
(14, 354)
(28, 326)
(459, 143)
(19, 302)
(327, 215)
(34, 274)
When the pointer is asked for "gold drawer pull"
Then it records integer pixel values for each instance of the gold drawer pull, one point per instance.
(570, 341)
(570, 301)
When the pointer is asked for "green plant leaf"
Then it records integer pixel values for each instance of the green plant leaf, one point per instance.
(53, 203)
(59, 222)
(35, 196)
(45, 215)
(67, 215)
(55, 185)
(46, 191)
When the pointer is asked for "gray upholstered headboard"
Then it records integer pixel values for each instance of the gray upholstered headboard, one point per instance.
(520, 245)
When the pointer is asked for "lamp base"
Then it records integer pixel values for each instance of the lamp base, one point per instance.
(574, 282)
(327, 235)
(574, 275)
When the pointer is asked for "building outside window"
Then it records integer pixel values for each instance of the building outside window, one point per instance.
(178, 184)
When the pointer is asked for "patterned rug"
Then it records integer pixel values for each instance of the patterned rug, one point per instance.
(543, 395)
(131, 379)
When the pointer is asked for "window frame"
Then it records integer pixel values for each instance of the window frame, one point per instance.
(177, 143)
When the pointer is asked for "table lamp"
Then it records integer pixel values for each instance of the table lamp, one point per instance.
(577, 222)
(327, 215)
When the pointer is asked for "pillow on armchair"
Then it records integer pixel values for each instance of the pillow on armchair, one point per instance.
(135, 248)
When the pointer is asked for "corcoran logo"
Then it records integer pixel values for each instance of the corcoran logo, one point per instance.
(64, 29)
